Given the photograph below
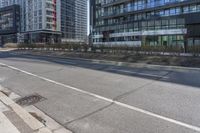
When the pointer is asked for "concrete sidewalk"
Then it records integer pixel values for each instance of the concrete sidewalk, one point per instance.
(17, 119)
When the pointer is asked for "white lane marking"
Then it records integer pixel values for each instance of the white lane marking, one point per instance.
(189, 126)
(138, 73)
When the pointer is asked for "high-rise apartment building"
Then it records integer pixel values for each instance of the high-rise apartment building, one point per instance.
(145, 22)
(81, 20)
(51, 20)
(42, 20)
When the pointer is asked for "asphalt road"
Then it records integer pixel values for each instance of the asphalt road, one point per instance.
(98, 98)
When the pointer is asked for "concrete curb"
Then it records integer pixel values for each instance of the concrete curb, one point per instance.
(32, 122)
(142, 65)
(125, 64)
(38, 127)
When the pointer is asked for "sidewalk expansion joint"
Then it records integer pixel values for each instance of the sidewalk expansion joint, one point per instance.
(117, 98)
(87, 115)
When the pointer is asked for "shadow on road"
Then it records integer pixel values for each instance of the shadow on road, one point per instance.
(183, 77)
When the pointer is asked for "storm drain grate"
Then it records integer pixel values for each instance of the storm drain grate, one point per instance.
(30, 100)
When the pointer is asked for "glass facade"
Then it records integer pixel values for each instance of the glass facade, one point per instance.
(6, 20)
(9, 24)
(36, 17)
(74, 20)
(9, 19)
(68, 19)
(137, 5)
(145, 22)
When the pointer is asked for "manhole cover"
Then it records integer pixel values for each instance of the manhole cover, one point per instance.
(30, 100)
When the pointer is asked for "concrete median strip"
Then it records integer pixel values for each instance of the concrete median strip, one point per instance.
(7, 104)
(110, 62)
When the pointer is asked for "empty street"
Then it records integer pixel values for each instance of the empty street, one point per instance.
(88, 97)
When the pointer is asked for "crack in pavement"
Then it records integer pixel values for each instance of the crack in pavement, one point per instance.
(87, 115)
(117, 98)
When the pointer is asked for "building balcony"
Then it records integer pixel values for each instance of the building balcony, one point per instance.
(145, 8)
(114, 3)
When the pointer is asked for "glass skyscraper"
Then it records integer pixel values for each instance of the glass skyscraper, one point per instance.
(145, 22)
(74, 20)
